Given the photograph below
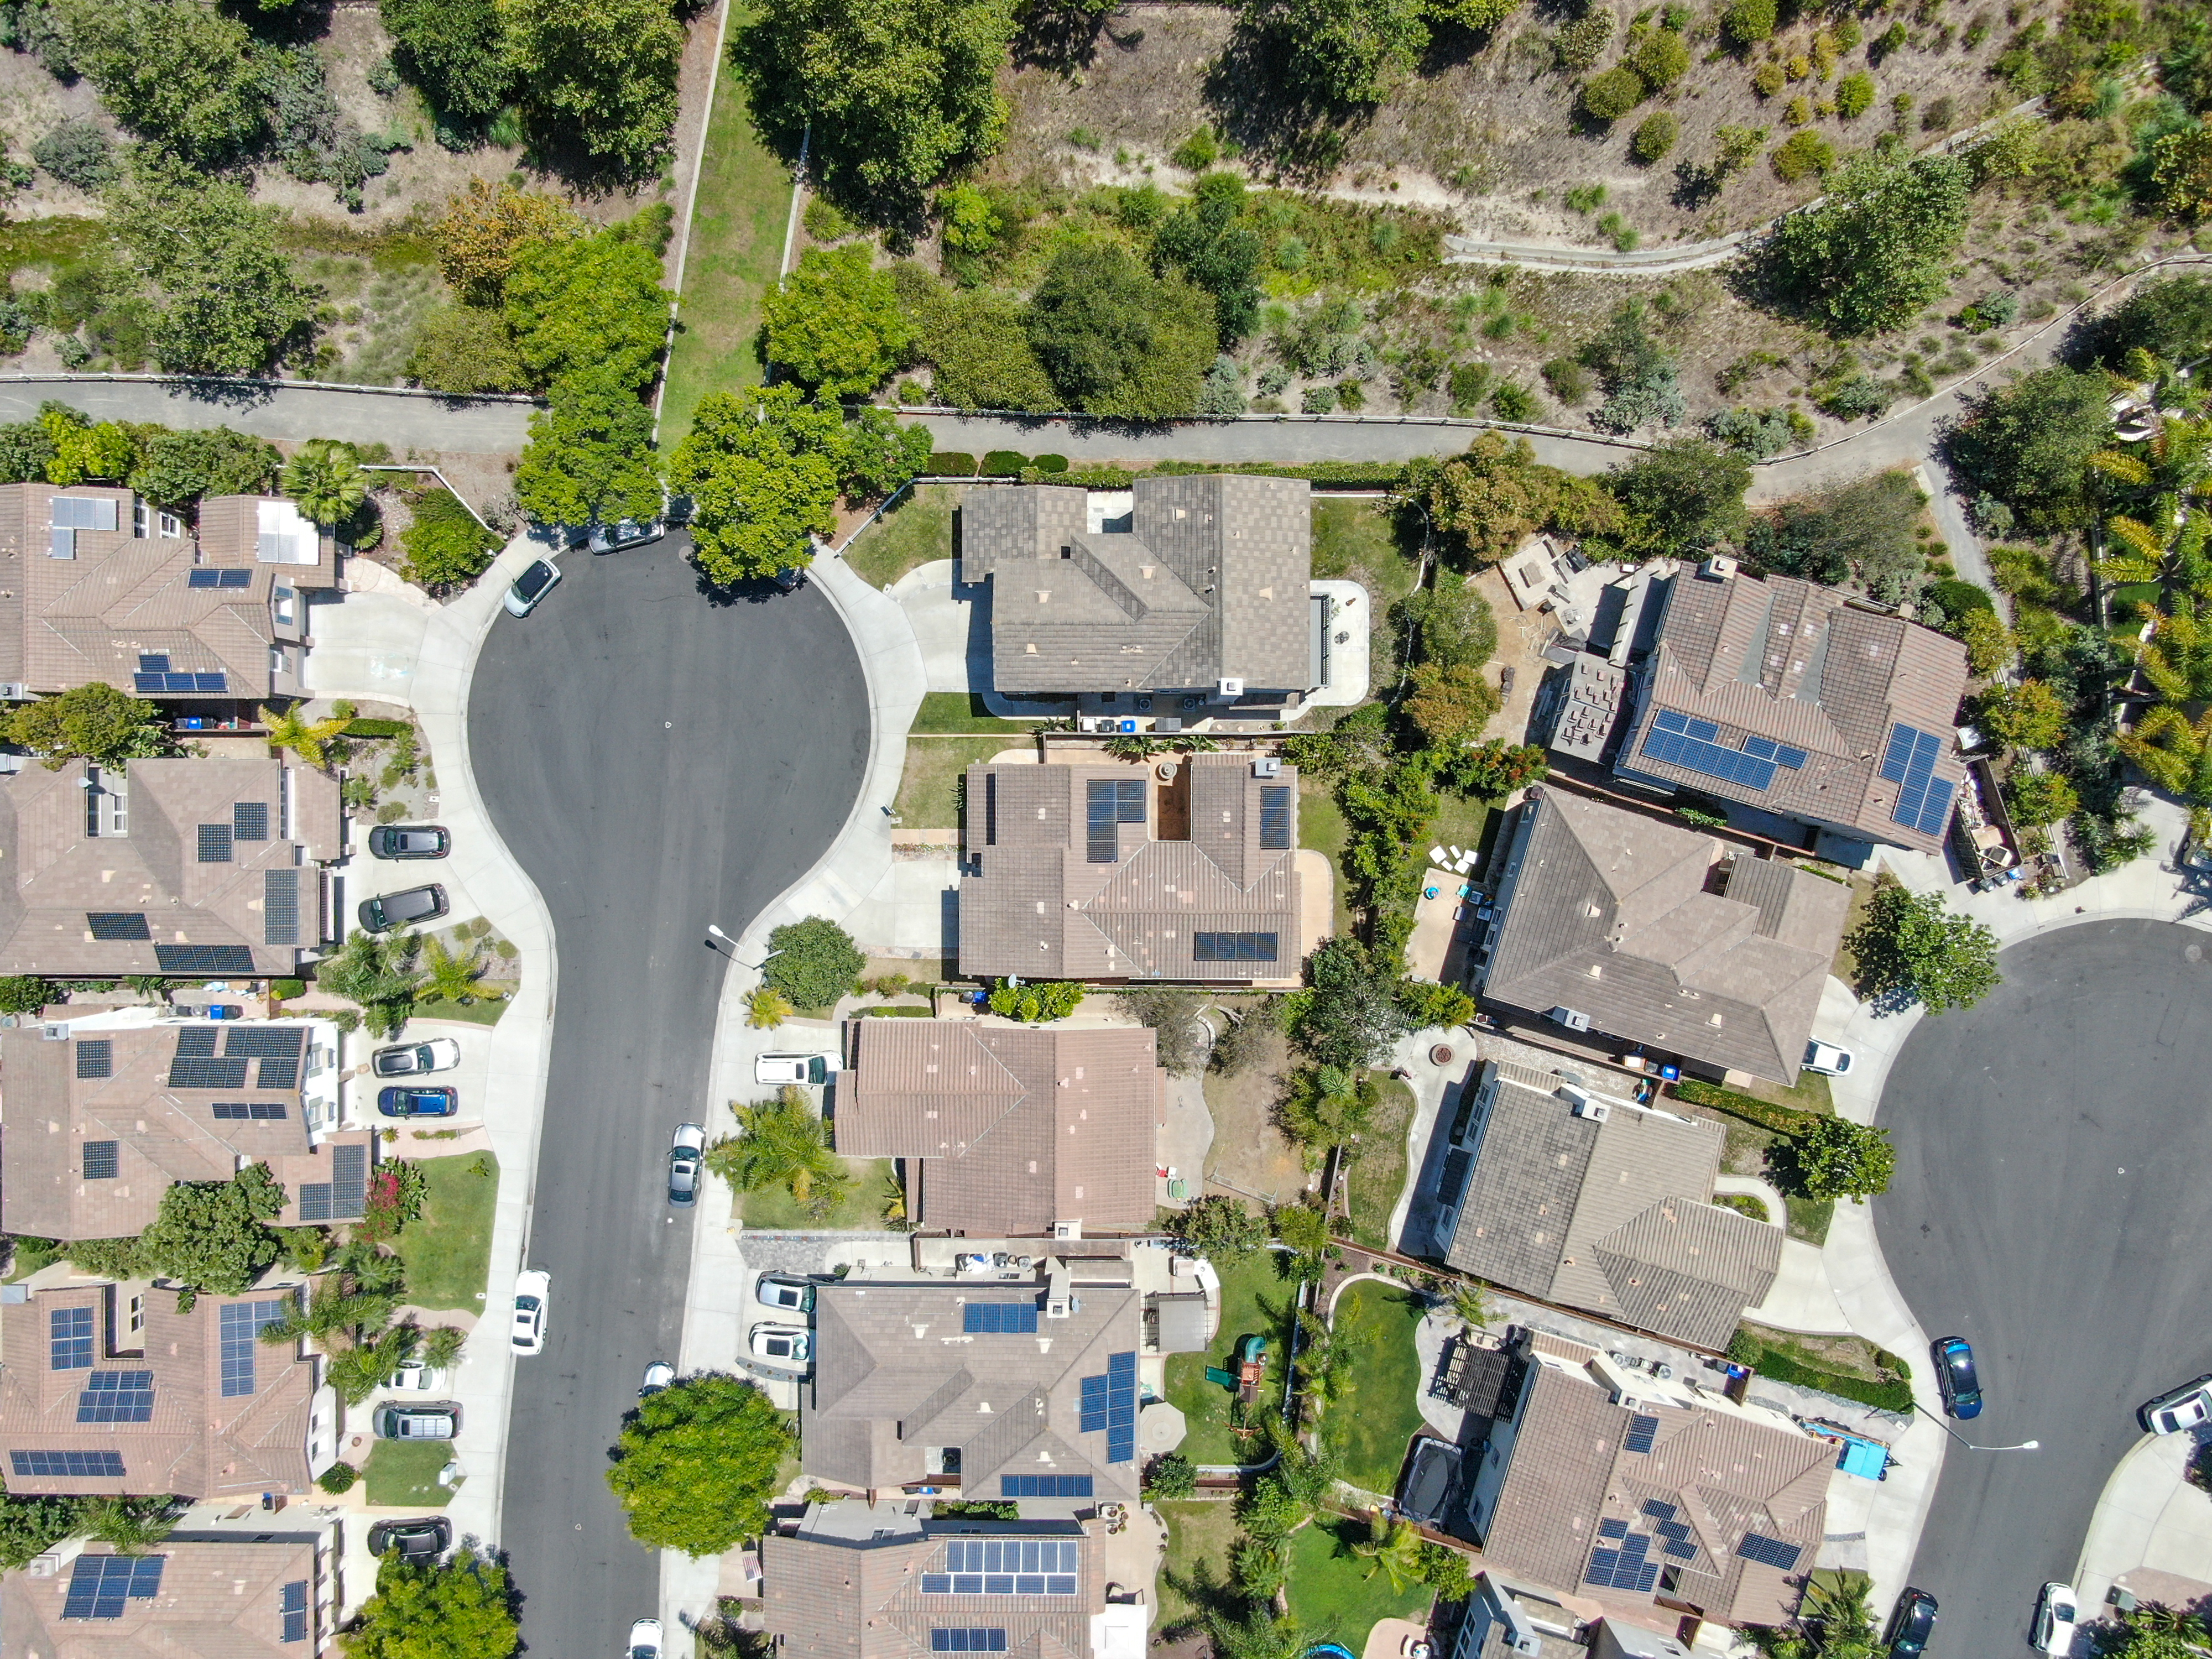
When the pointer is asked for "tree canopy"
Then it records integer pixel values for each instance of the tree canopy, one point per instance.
(455, 50)
(177, 469)
(1346, 1015)
(597, 76)
(1875, 249)
(486, 228)
(589, 303)
(1341, 52)
(1679, 497)
(1843, 1159)
(590, 458)
(836, 324)
(1117, 340)
(93, 722)
(763, 471)
(1497, 495)
(459, 1608)
(1912, 947)
(212, 1234)
(2027, 445)
(1219, 1227)
(697, 1463)
(185, 76)
(814, 962)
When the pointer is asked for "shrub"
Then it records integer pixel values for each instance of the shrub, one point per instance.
(814, 962)
(1049, 463)
(1198, 152)
(338, 1477)
(1004, 463)
(1609, 96)
(950, 464)
(1855, 95)
(1517, 404)
(77, 153)
(1767, 80)
(26, 993)
(444, 546)
(1580, 43)
(1801, 156)
(1569, 380)
(1746, 22)
(1654, 136)
(1662, 60)
(1033, 1004)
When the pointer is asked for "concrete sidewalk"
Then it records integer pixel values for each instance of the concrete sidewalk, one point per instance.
(2149, 1516)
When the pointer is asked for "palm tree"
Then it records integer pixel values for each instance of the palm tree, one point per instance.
(326, 480)
(1257, 1634)
(1470, 1306)
(309, 740)
(378, 973)
(766, 1008)
(357, 1372)
(452, 975)
(782, 1143)
(335, 1313)
(442, 1346)
(2168, 547)
(894, 1197)
(1327, 1106)
(130, 1525)
(2174, 752)
(1393, 1546)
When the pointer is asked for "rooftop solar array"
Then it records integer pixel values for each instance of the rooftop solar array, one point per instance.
(1924, 800)
(95, 1057)
(999, 1318)
(211, 578)
(204, 958)
(100, 1584)
(101, 1159)
(1274, 817)
(1044, 1485)
(1107, 802)
(187, 1073)
(1770, 1551)
(214, 843)
(146, 683)
(1234, 947)
(1642, 1431)
(1678, 740)
(294, 1609)
(1780, 753)
(258, 1111)
(118, 924)
(263, 1040)
(976, 1639)
(1006, 1566)
(196, 1042)
(345, 1196)
(117, 1397)
(66, 1465)
(280, 907)
(249, 820)
(70, 1331)
(241, 1324)
(1627, 1567)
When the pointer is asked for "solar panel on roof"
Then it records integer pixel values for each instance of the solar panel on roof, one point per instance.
(1274, 817)
(1658, 1511)
(145, 683)
(262, 1040)
(259, 1111)
(100, 1159)
(277, 1074)
(349, 1180)
(1615, 1529)
(1696, 753)
(236, 578)
(117, 924)
(240, 1325)
(280, 907)
(207, 1073)
(214, 843)
(67, 1464)
(196, 1042)
(204, 958)
(249, 820)
(95, 1057)
(201, 578)
(315, 1201)
(153, 662)
(100, 1584)
(1642, 1431)
(1044, 1485)
(68, 1334)
(1000, 1318)
(117, 1397)
(1091, 1414)
(1769, 1552)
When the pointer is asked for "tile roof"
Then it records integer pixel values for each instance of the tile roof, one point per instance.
(1212, 582)
(83, 596)
(170, 866)
(104, 1121)
(1612, 1216)
(896, 1373)
(1802, 665)
(1650, 931)
(828, 1597)
(1014, 1129)
(1682, 1483)
(1034, 903)
(210, 1599)
(217, 1427)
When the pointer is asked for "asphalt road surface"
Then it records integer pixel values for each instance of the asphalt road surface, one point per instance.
(2051, 1207)
(656, 761)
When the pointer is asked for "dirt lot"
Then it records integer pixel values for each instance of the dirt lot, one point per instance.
(1251, 1156)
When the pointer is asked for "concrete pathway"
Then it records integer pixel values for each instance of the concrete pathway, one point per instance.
(2149, 1516)
(290, 410)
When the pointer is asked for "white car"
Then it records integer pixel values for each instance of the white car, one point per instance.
(1826, 1059)
(2055, 1612)
(415, 1059)
(2189, 1407)
(532, 1291)
(686, 1152)
(795, 1068)
(658, 1376)
(416, 1376)
(782, 1345)
(532, 585)
(784, 1293)
(645, 1639)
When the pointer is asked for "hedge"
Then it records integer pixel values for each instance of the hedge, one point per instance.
(1049, 463)
(1782, 1120)
(1098, 478)
(376, 728)
(950, 464)
(1005, 464)
(1748, 1350)
(1378, 475)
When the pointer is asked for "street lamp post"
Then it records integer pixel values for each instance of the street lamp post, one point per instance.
(718, 934)
(2025, 1445)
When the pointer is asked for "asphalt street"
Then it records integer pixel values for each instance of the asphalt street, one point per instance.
(2051, 1207)
(656, 761)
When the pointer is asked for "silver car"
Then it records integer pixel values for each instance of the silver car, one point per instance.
(686, 1153)
(416, 1058)
(532, 585)
(628, 532)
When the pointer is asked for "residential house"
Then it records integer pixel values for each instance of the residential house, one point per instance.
(1007, 1131)
(1605, 1206)
(109, 1388)
(888, 1581)
(176, 866)
(1800, 702)
(104, 1115)
(1202, 587)
(1004, 1389)
(98, 584)
(255, 1596)
(1520, 1621)
(1643, 1495)
(1615, 922)
(1105, 872)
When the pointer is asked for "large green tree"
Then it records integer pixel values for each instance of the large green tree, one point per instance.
(1117, 340)
(1342, 52)
(1220, 1228)
(590, 458)
(1347, 1016)
(813, 962)
(761, 470)
(1877, 248)
(598, 76)
(31, 1526)
(93, 722)
(897, 93)
(1843, 1159)
(459, 1608)
(1207, 239)
(178, 73)
(2027, 445)
(697, 1463)
(1680, 497)
(1912, 947)
(836, 325)
(589, 303)
(213, 1235)
(1492, 499)
(455, 50)
(177, 469)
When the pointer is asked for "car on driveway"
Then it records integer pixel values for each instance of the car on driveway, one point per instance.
(440, 1421)
(781, 1292)
(402, 1101)
(658, 1376)
(416, 1058)
(2055, 1610)
(628, 532)
(409, 841)
(1910, 1625)
(1956, 1377)
(532, 1291)
(389, 910)
(415, 1377)
(795, 1068)
(532, 585)
(645, 1639)
(1826, 1059)
(419, 1542)
(685, 1154)
(2189, 1407)
(782, 1345)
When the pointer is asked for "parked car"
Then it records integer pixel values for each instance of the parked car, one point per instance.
(2188, 1407)
(685, 1154)
(628, 532)
(401, 1101)
(389, 910)
(442, 1421)
(791, 578)
(791, 1294)
(645, 1639)
(658, 1376)
(1826, 1059)
(415, 1377)
(419, 1542)
(409, 841)
(532, 1291)
(1910, 1625)
(1956, 1377)
(532, 585)
(795, 1068)
(416, 1058)
(782, 1345)
(2055, 1610)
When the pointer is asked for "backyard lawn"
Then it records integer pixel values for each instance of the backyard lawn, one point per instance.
(1204, 1405)
(964, 713)
(1332, 1595)
(1378, 1174)
(403, 1474)
(448, 1248)
(775, 1210)
(1380, 1410)
(1321, 828)
(926, 798)
(1201, 1536)
(916, 530)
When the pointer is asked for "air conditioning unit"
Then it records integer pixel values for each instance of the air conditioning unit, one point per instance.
(1597, 1111)
(14, 691)
(1719, 567)
(1062, 1307)
(1267, 766)
(1573, 1019)
(1067, 1230)
(55, 1032)
(1231, 688)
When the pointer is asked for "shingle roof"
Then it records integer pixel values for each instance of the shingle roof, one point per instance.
(897, 1372)
(183, 874)
(1211, 582)
(1802, 665)
(197, 1441)
(226, 1599)
(1616, 915)
(1013, 1129)
(1611, 1217)
(1033, 903)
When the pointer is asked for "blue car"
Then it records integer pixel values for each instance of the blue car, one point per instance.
(416, 1102)
(1955, 1375)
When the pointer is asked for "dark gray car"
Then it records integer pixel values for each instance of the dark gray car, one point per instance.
(389, 910)
(419, 1542)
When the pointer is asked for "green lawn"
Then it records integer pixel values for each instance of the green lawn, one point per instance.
(1204, 1405)
(482, 1011)
(1379, 1410)
(933, 767)
(959, 713)
(1461, 823)
(737, 239)
(917, 529)
(1359, 539)
(1201, 1537)
(776, 1211)
(447, 1249)
(403, 1474)
(1378, 1174)
(1331, 1597)
(1321, 828)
